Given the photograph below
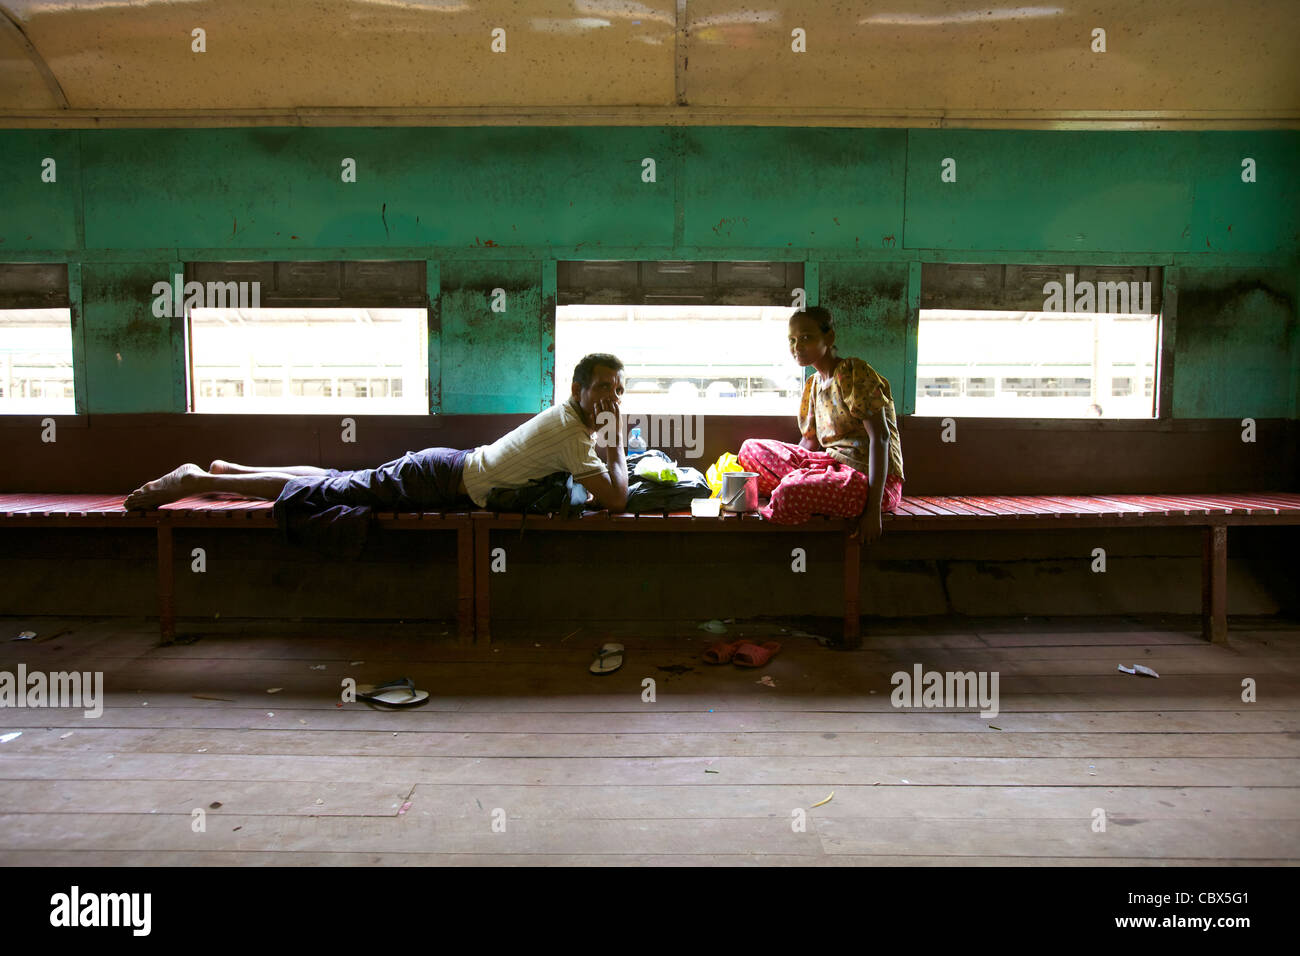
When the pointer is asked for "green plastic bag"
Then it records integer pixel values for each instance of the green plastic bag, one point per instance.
(657, 470)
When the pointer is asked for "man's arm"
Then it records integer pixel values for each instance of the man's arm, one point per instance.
(869, 522)
(610, 489)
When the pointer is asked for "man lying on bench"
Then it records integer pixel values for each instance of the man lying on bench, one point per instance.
(318, 505)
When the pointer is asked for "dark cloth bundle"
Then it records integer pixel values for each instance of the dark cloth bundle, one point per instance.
(557, 493)
(646, 494)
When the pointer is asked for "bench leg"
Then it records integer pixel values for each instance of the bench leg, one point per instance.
(166, 586)
(482, 587)
(1214, 584)
(852, 596)
(465, 584)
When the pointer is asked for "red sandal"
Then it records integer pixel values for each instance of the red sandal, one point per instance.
(752, 655)
(723, 651)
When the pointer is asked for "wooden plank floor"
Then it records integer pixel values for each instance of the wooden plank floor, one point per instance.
(583, 771)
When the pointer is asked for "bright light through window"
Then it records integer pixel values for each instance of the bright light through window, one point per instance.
(696, 360)
(1036, 364)
(36, 362)
(326, 360)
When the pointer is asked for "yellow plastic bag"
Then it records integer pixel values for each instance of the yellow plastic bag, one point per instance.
(726, 462)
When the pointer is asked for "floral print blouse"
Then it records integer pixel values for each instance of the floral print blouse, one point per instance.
(833, 414)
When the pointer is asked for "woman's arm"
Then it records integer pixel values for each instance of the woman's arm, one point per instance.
(869, 522)
(810, 444)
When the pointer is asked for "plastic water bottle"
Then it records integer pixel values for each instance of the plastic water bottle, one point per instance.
(635, 443)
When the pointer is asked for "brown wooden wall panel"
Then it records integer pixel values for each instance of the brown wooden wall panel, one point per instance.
(117, 453)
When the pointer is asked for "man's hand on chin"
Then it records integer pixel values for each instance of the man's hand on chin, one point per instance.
(612, 406)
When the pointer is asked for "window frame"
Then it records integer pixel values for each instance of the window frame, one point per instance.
(323, 284)
(1018, 287)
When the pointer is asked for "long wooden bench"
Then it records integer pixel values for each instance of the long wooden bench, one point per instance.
(221, 511)
(1212, 513)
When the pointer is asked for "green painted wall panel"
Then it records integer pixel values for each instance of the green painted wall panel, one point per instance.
(793, 188)
(35, 214)
(1233, 351)
(1102, 191)
(480, 187)
(491, 361)
(869, 303)
(463, 197)
(1234, 216)
(129, 352)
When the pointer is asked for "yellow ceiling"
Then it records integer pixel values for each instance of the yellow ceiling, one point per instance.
(1168, 63)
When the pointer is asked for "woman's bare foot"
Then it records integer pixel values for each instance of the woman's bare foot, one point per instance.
(219, 467)
(172, 486)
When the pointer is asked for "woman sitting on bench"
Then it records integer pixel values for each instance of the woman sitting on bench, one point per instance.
(848, 411)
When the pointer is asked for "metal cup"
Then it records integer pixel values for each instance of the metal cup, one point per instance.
(740, 491)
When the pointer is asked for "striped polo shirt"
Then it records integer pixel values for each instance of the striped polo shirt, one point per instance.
(554, 440)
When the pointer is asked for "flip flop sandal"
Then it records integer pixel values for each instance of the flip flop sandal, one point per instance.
(752, 655)
(608, 659)
(723, 651)
(396, 693)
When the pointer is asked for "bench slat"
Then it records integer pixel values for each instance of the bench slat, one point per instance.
(1251, 504)
(77, 505)
(1045, 509)
(1201, 506)
(1108, 506)
(21, 504)
(1001, 507)
(1158, 504)
(1282, 502)
(970, 505)
(1243, 505)
(60, 504)
(1051, 509)
(946, 507)
(918, 509)
(927, 506)
(1149, 504)
(42, 506)
(1022, 506)
(233, 507)
(1070, 506)
(94, 504)
(257, 504)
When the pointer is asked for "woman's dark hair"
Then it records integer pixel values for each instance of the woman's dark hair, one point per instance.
(585, 370)
(822, 316)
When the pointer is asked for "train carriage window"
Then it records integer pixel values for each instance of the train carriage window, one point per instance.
(36, 372)
(316, 338)
(1038, 341)
(695, 337)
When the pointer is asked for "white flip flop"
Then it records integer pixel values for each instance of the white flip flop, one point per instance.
(608, 659)
(396, 693)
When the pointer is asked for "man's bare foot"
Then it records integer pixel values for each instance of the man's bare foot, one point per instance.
(172, 486)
